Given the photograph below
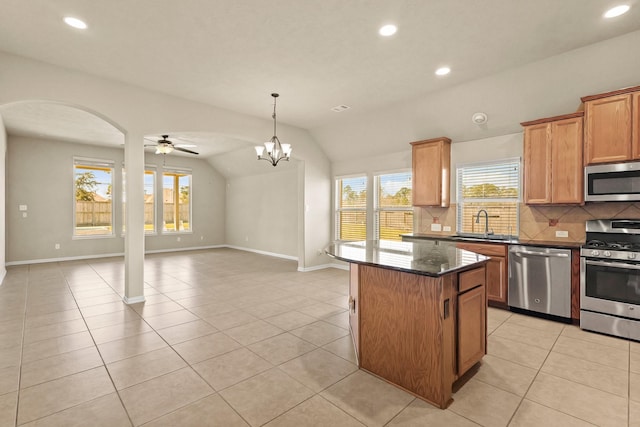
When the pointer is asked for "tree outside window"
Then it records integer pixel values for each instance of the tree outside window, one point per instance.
(93, 213)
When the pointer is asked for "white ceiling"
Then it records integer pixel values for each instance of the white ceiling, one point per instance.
(316, 54)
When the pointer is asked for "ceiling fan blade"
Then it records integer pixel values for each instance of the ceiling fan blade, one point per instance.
(185, 145)
(184, 150)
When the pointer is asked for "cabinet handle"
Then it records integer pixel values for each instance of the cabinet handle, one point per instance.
(352, 305)
(446, 308)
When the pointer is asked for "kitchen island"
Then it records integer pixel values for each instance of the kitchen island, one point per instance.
(417, 312)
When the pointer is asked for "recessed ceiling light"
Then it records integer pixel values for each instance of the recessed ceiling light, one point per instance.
(75, 22)
(617, 11)
(387, 30)
(443, 71)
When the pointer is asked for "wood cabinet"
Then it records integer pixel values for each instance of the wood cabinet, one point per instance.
(553, 163)
(419, 332)
(354, 321)
(497, 273)
(431, 161)
(611, 126)
(472, 314)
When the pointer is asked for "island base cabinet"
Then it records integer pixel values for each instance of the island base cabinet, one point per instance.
(472, 329)
(413, 329)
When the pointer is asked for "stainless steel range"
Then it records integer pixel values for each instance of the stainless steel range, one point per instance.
(610, 278)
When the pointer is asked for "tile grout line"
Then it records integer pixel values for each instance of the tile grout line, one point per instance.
(104, 364)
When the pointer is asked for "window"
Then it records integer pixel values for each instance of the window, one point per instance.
(93, 186)
(494, 187)
(149, 201)
(176, 200)
(392, 204)
(351, 208)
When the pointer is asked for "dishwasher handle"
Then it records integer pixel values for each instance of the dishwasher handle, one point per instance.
(542, 254)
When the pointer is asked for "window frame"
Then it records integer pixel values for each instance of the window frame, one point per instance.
(339, 209)
(96, 164)
(169, 170)
(377, 209)
(460, 201)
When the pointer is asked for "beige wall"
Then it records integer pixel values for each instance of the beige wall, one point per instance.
(262, 212)
(40, 173)
(3, 153)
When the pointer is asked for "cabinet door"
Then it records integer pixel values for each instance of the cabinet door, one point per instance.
(354, 312)
(496, 283)
(635, 128)
(537, 164)
(471, 328)
(608, 129)
(430, 161)
(566, 161)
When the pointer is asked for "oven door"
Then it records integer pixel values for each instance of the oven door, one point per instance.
(610, 287)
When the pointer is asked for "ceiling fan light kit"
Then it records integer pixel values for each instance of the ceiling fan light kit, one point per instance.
(165, 146)
(275, 151)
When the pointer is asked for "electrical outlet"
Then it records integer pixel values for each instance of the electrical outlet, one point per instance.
(22, 207)
(57, 246)
(24, 214)
(178, 239)
(446, 228)
(562, 233)
(201, 237)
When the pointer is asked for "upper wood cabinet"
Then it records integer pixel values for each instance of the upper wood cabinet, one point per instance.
(431, 170)
(553, 160)
(611, 127)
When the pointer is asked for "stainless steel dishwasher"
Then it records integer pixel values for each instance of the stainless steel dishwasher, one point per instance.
(540, 279)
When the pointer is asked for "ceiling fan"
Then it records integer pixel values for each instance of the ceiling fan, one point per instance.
(165, 146)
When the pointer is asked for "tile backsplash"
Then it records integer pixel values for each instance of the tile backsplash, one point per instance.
(537, 222)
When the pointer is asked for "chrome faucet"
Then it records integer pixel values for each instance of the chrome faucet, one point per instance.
(486, 221)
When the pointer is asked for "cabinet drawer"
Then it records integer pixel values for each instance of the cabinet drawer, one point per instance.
(470, 279)
(488, 249)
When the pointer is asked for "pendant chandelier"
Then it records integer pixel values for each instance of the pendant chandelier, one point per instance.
(275, 150)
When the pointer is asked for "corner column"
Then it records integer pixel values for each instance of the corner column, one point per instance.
(134, 219)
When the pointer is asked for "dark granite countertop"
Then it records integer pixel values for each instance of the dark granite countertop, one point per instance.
(424, 257)
(511, 241)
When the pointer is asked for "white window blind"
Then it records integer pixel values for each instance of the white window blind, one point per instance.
(393, 206)
(494, 187)
(351, 208)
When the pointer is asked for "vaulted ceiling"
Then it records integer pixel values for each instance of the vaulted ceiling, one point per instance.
(316, 54)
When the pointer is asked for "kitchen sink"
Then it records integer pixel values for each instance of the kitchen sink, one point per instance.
(483, 237)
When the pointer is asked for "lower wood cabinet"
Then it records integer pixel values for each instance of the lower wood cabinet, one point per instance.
(472, 313)
(418, 332)
(497, 270)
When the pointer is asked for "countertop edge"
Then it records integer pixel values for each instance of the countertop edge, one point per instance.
(525, 242)
(417, 272)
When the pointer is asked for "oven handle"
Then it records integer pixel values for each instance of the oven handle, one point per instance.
(614, 264)
(562, 255)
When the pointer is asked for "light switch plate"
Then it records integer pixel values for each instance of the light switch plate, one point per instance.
(446, 228)
(562, 233)
(22, 208)
(436, 227)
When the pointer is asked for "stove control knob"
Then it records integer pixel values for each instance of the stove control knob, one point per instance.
(631, 255)
(607, 253)
(595, 253)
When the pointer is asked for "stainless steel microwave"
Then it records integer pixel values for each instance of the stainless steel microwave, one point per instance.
(611, 183)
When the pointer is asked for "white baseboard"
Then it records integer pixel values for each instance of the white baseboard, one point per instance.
(195, 248)
(322, 267)
(133, 300)
(240, 248)
(3, 272)
(155, 251)
(70, 258)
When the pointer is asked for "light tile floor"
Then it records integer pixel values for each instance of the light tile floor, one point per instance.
(230, 338)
